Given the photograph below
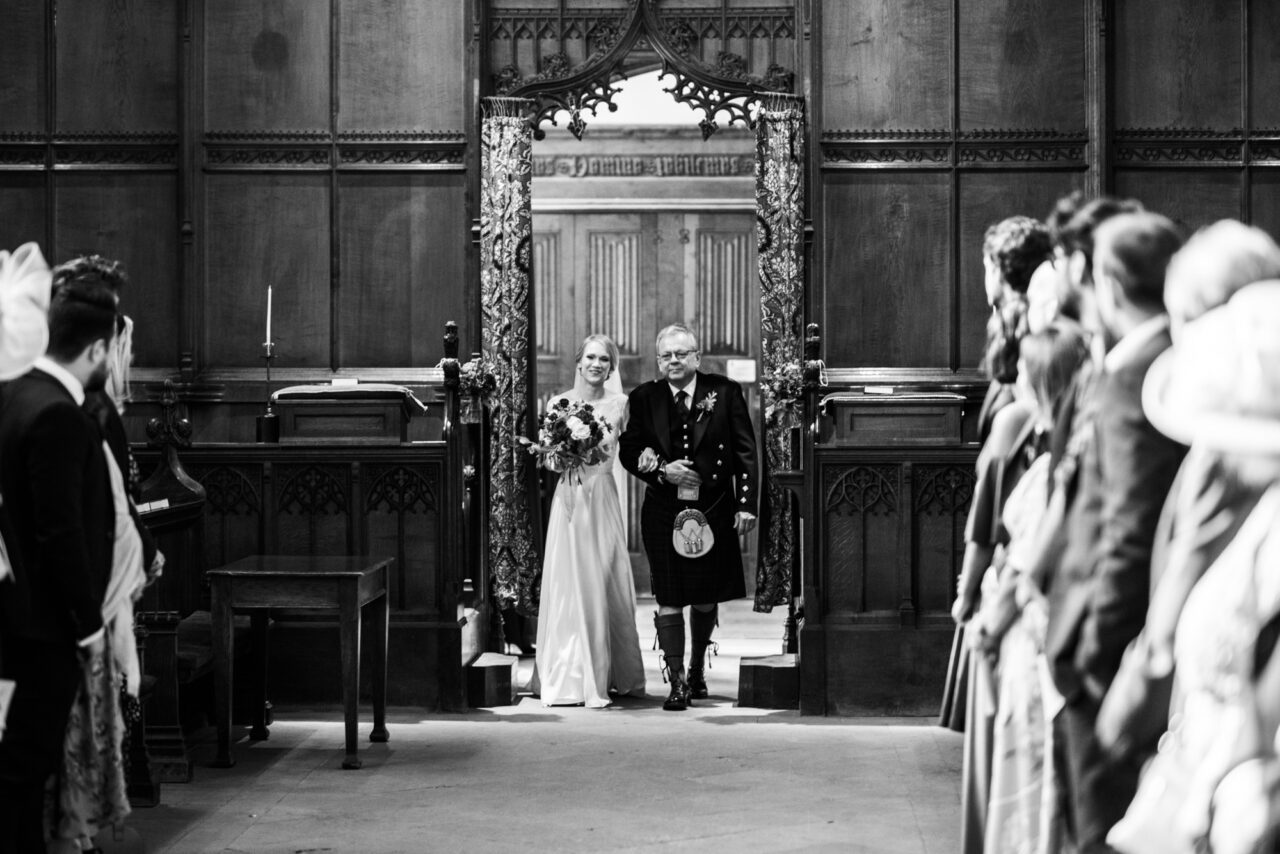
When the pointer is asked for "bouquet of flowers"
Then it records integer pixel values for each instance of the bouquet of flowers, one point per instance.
(569, 436)
(783, 389)
(477, 378)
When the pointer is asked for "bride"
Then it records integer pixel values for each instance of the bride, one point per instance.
(587, 639)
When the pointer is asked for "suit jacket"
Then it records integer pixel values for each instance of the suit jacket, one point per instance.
(1098, 599)
(722, 448)
(58, 515)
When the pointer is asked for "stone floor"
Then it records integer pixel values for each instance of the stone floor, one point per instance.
(530, 778)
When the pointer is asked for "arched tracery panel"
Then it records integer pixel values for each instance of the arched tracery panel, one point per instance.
(718, 55)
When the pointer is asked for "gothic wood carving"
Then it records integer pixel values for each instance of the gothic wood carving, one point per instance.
(863, 489)
(695, 46)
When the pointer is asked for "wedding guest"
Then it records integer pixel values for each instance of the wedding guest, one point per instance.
(89, 793)
(1098, 596)
(1022, 814)
(1012, 248)
(24, 332)
(1011, 251)
(24, 304)
(1206, 504)
(1073, 254)
(1220, 386)
(59, 517)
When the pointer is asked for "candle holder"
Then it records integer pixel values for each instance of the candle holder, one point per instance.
(268, 426)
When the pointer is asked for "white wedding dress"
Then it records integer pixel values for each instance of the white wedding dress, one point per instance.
(587, 639)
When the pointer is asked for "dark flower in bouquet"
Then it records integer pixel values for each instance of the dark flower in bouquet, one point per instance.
(569, 436)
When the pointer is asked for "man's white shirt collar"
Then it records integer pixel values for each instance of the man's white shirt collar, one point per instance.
(1127, 348)
(62, 375)
(690, 388)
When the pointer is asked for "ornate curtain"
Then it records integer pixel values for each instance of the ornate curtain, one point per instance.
(780, 178)
(506, 229)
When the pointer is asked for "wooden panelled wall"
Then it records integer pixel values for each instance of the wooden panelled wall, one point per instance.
(316, 146)
(932, 120)
(937, 118)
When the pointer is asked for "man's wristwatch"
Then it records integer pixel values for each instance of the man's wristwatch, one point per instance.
(662, 471)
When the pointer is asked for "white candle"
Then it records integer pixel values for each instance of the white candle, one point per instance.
(268, 314)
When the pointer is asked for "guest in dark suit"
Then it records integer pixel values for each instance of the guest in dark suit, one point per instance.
(1124, 468)
(58, 519)
(690, 439)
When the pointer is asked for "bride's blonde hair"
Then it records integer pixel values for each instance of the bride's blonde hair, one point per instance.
(604, 341)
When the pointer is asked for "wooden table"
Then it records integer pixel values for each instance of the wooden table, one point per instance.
(262, 582)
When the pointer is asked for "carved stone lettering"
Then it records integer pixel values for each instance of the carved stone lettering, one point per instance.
(643, 166)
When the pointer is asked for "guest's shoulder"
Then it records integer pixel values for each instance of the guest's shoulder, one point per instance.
(36, 388)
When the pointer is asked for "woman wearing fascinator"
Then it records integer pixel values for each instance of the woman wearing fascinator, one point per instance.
(25, 281)
(587, 639)
(25, 287)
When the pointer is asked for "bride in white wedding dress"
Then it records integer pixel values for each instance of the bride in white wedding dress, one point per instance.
(587, 639)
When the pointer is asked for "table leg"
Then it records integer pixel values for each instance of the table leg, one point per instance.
(349, 619)
(223, 653)
(379, 627)
(258, 626)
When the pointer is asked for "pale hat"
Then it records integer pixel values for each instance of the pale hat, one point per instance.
(1219, 386)
(25, 284)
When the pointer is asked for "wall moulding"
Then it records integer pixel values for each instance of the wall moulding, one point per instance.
(399, 158)
(116, 157)
(941, 148)
(1182, 146)
(876, 155)
(239, 157)
(22, 158)
(89, 150)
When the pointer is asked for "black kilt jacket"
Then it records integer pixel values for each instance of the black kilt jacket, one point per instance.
(722, 447)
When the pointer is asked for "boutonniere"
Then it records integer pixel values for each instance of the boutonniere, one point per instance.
(705, 405)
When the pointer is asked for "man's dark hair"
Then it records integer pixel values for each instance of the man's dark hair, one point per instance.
(1017, 246)
(80, 313)
(1076, 232)
(91, 269)
(1139, 246)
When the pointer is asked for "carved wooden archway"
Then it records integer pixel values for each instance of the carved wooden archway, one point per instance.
(729, 63)
(691, 41)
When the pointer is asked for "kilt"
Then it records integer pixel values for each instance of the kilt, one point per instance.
(677, 580)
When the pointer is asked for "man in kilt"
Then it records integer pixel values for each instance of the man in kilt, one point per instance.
(690, 438)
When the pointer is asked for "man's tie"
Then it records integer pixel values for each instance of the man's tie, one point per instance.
(681, 406)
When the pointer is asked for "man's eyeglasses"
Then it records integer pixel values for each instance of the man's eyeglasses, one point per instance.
(675, 354)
